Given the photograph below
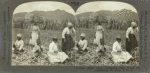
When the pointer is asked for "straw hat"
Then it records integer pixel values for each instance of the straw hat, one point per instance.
(19, 35)
(69, 24)
(83, 35)
(133, 24)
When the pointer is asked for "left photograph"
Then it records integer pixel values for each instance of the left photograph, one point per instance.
(37, 33)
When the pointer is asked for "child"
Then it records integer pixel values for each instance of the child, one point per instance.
(117, 53)
(53, 53)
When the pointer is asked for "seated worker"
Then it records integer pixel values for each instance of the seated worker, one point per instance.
(18, 45)
(37, 50)
(53, 53)
(117, 54)
(82, 44)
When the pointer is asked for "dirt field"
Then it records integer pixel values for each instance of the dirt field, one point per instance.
(76, 59)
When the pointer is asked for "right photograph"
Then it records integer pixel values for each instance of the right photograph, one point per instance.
(111, 30)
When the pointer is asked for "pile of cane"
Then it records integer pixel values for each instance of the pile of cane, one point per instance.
(91, 57)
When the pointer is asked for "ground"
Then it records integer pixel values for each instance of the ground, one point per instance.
(76, 60)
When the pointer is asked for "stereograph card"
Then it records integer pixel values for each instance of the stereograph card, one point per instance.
(74, 36)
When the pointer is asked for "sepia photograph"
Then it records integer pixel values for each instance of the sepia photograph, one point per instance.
(98, 33)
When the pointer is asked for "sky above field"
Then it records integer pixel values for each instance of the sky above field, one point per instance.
(87, 7)
(104, 5)
(43, 6)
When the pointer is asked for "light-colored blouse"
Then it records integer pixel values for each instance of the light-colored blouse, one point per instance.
(116, 47)
(130, 30)
(99, 28)
(35, 29)
(53, 47)
(68, 31)
(19, 44)
(83, 44)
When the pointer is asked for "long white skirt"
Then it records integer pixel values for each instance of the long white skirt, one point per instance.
(121, 57)
(34, 38)
(99, 36)
(57, 57)
(96, 41)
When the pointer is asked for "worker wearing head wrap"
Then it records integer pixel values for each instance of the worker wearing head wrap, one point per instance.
(117, 53)
(82, 44)
(131, 41)
(18, 45)
(35, 35)
(68, 37)
(99, 37)
(54, 54)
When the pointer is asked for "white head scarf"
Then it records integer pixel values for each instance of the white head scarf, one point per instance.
(70, 24)
(133, 24)
(83, 35)
(19, 35)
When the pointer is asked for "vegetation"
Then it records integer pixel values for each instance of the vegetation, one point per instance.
(87, 22)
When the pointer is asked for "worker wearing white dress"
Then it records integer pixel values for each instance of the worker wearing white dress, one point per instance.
(34, 35)
(131, 40)
(18, 45)
(82, 44)
(54, 54)
(117, 53)
(68, 37)
(99, 37)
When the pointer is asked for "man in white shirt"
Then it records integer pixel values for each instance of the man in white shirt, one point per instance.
(68, 37)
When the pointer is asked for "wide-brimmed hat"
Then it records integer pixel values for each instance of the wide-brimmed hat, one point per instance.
(133, 24)
(83, 34)
(69, 24)
(19, 35)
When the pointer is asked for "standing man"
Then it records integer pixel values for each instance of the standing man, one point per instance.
(68, 37)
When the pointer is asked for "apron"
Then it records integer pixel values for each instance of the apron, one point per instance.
(66, 46)
(132, 44)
